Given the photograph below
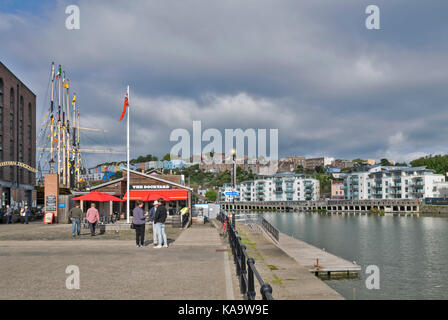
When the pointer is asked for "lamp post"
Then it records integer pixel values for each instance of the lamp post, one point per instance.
(233, 152)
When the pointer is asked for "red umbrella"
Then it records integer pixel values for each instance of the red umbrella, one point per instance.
(98, 196)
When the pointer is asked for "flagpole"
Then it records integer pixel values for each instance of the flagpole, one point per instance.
(128, 175)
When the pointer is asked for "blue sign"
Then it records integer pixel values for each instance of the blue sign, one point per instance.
(61, 205)
(232, 193)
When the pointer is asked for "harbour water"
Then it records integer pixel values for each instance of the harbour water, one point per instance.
(410, 252)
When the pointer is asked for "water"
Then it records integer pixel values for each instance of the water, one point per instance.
(411, 252)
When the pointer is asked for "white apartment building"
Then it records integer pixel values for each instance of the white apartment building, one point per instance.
(278, 187)
(387, 182)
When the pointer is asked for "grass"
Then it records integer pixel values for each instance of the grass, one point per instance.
(272, 267)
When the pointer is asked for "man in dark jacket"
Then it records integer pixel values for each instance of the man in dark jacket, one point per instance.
(75, 216)
(152, 215)
(9, 213)
(159, 220)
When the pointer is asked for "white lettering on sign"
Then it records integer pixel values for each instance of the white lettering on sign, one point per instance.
(150, 186)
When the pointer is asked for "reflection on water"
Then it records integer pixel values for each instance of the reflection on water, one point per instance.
(411, 252)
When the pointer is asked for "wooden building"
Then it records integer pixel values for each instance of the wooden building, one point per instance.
(144, 186)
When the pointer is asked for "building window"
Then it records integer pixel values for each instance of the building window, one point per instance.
(1, 92)
(11, 158)
(21, 107)
(11, 99)
(11, 125)
(20, 130)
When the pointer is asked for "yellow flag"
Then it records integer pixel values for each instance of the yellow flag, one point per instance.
(74, 100)
(66, 84)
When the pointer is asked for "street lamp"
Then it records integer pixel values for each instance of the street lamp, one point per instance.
(233, 152)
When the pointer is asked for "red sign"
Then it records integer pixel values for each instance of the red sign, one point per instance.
(48, 218)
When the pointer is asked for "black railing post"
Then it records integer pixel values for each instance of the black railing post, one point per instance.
(243, 270)
(237, 256)
(233, 220)
(251, 285)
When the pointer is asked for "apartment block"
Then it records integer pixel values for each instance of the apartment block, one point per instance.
(277, 187)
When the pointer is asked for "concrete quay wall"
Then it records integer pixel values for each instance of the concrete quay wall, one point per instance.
(361, 206)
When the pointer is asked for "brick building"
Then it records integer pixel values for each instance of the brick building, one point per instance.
(17, 140)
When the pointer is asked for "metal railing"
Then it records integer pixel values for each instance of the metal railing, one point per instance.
(269, 228)
(245, 265)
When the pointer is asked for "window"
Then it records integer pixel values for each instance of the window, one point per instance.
(11, 125)
(11, 99)
(21, 107)
(20, 130)
(1, 92)
(11, 158)
(30, 113)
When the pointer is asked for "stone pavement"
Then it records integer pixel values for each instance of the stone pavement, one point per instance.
(289, 279)
(193, 267)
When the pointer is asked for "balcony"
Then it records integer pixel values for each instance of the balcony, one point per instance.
(378, 186)
(396, 185)
(278, 190)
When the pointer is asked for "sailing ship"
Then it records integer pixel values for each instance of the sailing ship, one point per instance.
(59, 137)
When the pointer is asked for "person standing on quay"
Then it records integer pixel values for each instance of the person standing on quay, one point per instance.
(159, 220)
(25, 214)
(152, 214)
(9, 213)
(75, 216)
(139, 224)
(93, 217)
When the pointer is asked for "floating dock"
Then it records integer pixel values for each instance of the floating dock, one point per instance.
(316, 260)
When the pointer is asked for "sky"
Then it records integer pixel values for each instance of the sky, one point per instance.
(310, 69)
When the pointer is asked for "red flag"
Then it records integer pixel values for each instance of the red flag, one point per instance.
(126, 104)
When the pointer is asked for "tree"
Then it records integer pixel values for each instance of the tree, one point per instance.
(300, 169)
(211, 195)
(385, 162)
(167, 157)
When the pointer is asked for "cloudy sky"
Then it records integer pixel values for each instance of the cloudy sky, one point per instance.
(309, 68)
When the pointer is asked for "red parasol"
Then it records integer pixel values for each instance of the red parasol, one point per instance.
(98, 196)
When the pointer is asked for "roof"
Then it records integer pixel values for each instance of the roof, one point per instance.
(158, 179)
(106, 184)
(144, 175)
(2, 64)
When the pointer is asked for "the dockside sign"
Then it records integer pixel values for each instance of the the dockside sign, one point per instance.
(18, 164)
(149, 187)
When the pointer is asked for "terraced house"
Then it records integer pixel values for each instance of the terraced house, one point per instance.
(278, 187)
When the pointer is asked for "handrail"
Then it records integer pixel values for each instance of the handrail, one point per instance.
(245, 265)
(273, 231)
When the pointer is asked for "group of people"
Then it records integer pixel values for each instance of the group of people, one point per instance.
(157, 215)
(25, 214)
(92, 216)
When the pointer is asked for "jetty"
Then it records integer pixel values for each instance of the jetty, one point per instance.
(317, 261)
(314, 259)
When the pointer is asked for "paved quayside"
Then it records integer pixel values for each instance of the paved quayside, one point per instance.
(193, 267)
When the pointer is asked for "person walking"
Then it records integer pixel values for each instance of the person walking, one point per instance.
(152, 214)
(139, 224)
(27, 214)
(75, 216)
(159, 220)
(93, 217)
(9, 213)
(24, 215)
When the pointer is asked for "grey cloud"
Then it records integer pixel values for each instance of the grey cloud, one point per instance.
(309, 68)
